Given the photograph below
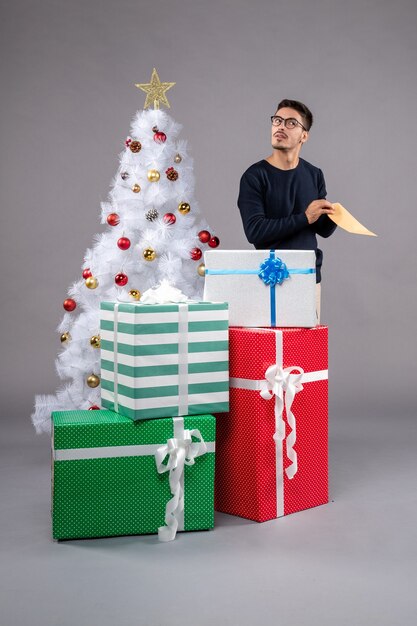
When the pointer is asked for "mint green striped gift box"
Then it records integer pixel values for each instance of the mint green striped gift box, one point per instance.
(164, 360)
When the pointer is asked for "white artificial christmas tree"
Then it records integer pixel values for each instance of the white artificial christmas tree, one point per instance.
(154, 233)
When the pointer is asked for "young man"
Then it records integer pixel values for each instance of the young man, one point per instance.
(282, 198)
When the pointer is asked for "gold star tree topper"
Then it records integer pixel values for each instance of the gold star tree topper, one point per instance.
(155, 91)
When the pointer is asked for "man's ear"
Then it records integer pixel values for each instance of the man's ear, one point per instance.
(304, 136)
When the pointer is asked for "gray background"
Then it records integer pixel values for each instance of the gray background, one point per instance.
(67, 75)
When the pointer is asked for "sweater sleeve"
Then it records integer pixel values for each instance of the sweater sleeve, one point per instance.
(324, 226)
(260, 230)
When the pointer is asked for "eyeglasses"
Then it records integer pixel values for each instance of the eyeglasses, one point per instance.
(289, 122)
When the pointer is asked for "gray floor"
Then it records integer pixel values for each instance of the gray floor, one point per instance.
(351, 562)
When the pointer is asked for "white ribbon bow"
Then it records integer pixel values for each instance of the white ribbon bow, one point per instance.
(163, 294)
(180, 451)
(278, 382)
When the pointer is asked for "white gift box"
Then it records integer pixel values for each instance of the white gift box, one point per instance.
(263, 287)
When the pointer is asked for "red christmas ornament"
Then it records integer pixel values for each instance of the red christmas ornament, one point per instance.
(123, 243)
(128, 141)
(196, 254)
(169, 218)
(113, 219)
(120, 279)
(94, 407)
(214, 242)
(86, 273)
(160, 137)
(204, 236)
(69, 304)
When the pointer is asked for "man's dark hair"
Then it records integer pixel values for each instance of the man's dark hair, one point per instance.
(304, 111)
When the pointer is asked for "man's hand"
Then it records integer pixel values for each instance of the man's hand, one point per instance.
(317, 208)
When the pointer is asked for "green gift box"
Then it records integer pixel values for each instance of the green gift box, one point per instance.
(113, 476)
(162, 360)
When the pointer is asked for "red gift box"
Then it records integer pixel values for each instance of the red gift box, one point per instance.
(272, 446)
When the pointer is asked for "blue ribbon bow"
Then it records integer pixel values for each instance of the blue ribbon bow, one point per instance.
(273, 271)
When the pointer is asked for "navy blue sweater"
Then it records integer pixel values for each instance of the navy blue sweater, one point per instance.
(272, 203)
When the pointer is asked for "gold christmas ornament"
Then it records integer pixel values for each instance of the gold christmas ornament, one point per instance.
(155, 91)
(136, 188)
(93, 381)
(65, 337)
(95, 341)
(149, 254)
(201, 269)
(91, 282)
(177, 158)
(184, 208)
(135, 294)
(153, 176)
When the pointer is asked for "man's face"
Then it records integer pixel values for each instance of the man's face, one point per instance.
(283, 138)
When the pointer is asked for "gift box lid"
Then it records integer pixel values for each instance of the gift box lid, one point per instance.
(138, 307)
(253, 350)
(102, 428)
(251, 259)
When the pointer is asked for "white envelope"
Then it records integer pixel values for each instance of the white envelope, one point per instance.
(233, 276)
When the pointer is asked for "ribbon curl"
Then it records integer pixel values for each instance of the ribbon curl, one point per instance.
(281, 382)
(180, 451)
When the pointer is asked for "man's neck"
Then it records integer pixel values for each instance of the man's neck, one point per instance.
(284, 160)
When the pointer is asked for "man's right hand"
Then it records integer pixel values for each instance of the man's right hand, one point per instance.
(317, 208)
